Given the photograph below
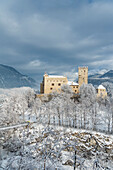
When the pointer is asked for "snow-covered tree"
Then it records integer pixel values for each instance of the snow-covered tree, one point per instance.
(87, 100)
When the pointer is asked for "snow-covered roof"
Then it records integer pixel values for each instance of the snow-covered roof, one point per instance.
(72, 83)
(56, 76)
(101, 87)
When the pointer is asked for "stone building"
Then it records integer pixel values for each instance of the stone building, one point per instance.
(101, 91)
(74, 86)
(52, 83)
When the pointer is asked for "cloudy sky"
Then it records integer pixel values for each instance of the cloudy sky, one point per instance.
(56, 36)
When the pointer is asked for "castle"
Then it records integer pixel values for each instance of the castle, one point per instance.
(52, 83)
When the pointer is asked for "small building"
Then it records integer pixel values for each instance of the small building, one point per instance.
(74, 86)
(101, 91)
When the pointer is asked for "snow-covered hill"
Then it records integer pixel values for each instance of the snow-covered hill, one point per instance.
(11, 78)
(37, 146)
(55, 134)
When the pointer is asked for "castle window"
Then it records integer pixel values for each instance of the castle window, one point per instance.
(59, 84)
(51, 88)
(52, 84)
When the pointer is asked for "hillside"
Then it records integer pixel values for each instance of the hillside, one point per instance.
(51, 147)
(108, 75)
(57, 134)
(98, 79)
(11, 78)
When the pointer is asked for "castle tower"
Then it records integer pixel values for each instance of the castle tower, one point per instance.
(82, 75)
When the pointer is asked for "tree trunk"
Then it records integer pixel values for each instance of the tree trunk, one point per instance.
(62, 119)
(49, 119)
(84, 119)
(81, 121)
(94, 115)
(54, 120)
(75, 121)
(44, 165)
(58, 115)
(75, 161)
(112, 122)
(23, 116)
(108, 126)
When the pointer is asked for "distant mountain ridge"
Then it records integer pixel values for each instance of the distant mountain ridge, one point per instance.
(109, 74)
(98, 79)
(11, 78)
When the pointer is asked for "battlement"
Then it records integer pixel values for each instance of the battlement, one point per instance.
(83, 67)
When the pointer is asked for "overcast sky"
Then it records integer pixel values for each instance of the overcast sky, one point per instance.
(56, 36)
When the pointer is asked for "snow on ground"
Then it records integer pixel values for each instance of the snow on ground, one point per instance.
(28, 147)
(36, 145)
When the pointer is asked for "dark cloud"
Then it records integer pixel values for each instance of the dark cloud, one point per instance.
(56, 35)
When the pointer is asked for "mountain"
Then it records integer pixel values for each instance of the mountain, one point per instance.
(11, 78)
(109, 74)
(98, 79)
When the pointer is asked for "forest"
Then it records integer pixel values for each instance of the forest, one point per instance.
(56, 131)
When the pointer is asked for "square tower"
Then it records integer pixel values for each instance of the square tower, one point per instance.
(82, 75)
